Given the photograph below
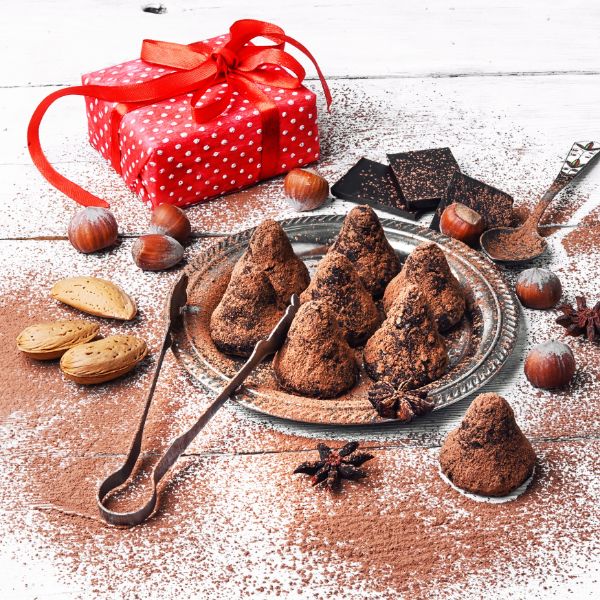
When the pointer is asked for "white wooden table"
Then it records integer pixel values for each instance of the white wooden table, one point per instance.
(508, 86)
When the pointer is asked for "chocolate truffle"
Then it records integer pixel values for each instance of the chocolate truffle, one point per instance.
(488, 454)
(428, 268)
(247, 313)
(362, 241)
(270, 251)
(337, 283)
(315, 360)
(407, 349)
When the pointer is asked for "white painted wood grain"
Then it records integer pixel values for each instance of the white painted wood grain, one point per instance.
(55, 41)
(496, 126)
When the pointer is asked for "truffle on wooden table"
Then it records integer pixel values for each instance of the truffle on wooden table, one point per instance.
(488, 453)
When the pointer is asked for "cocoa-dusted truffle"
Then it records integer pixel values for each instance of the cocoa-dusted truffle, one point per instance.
(315, 360)
(270, 251)
(407, 349)
(362, 241)
(337, 283)
(488, 454)
(427, 268)
(247, 313)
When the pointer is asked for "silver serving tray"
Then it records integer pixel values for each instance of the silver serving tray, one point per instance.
(478, 346)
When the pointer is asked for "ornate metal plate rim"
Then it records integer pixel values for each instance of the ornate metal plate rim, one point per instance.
(507, 311)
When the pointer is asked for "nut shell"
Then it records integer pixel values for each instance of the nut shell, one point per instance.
(305, 189)
(95, 296)
(92, 229)
(538, 288)
(47, 341)
(550, 365)
(172, 221)
(462, 223)
(156, 252)
(103, 360)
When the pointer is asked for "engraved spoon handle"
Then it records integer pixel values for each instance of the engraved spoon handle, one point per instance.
(579, 159)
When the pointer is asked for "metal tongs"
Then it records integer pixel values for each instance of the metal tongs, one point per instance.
(263, 348)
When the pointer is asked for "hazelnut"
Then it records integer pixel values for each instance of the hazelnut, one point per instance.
(172, 221)
(538, 288)
(156, 252)
(92, 229)
(305, 189)
(550, 365)
(462, 223)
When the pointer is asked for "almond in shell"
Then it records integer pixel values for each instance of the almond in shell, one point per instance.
(95, 296)
(46, 341)
(103, 360)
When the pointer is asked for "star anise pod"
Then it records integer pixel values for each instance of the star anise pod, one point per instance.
(581, 320)
(401, 404)
(335, 464)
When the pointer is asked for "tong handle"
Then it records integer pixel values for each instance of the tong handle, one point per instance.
(262, 349)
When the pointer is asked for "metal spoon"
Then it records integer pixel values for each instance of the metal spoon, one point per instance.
(524, 243)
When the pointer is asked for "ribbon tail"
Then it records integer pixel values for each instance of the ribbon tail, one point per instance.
(306, 51)
(60, 182)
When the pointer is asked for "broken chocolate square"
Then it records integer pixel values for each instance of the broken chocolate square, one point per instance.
(494, 206)
(370, 182)
(423, 175)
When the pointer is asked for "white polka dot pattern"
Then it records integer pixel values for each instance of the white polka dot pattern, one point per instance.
(167, 157)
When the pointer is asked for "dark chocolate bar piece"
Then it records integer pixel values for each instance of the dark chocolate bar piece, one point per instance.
(494, 206)
(423, 175)
(370, 182)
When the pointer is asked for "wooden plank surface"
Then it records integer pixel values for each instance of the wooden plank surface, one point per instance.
(494, 126)
(351, 39)
(509, 87)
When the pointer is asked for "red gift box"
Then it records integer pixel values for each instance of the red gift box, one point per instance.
(183, 124)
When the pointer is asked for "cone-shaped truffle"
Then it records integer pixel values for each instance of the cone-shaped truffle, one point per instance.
(488, 454)
(407, 349)
(315, 359)
(337, 283)
(362, 241)
(247, 313)
(270, 251)
(427, 268)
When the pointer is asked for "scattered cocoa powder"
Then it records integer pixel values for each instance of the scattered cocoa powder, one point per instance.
(403, 532)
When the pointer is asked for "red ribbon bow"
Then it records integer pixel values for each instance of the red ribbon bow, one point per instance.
(238, 63)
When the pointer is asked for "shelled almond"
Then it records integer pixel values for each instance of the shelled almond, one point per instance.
(46, 341)
(95, 296)
(103, 360)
